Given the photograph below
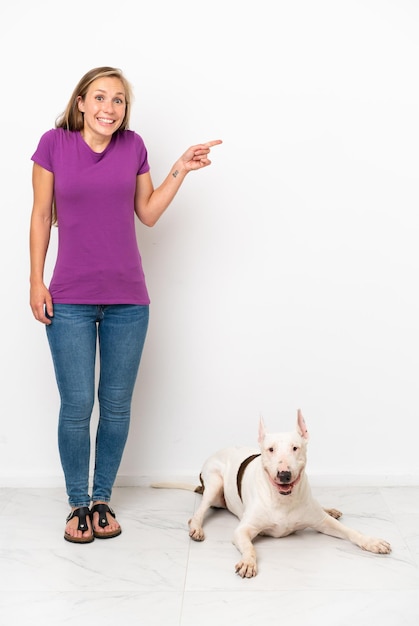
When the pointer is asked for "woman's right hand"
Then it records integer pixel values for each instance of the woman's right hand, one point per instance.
(41, 301)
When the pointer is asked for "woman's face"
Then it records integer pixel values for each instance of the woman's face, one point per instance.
(103, 106)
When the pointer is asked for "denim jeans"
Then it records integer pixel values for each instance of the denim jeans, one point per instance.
(74, 332)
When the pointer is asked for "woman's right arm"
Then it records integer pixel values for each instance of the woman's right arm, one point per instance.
(40, 231)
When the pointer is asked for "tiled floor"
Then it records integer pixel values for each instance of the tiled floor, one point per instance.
(154, 575)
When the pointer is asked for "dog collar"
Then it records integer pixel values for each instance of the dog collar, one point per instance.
(241, 472)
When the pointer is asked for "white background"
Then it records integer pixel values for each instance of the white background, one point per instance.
(283, 276)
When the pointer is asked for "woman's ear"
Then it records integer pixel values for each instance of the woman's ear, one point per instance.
(80, 104)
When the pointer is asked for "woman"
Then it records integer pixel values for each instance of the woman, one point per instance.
(91, 177)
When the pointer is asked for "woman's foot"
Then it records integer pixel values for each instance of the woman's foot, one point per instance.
(79, 527)
(104, 523)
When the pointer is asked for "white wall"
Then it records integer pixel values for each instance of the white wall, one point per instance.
(283, 276)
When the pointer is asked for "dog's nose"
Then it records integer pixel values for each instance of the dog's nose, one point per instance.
(284, 477)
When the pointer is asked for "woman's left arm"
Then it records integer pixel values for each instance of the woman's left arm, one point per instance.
(151, 203)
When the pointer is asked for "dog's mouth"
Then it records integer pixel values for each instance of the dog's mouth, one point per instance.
(285, 489)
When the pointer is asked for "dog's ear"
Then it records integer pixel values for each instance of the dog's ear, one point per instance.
(301, 425)
(261, 430)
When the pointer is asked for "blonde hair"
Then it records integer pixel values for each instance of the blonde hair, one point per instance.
(72, 118)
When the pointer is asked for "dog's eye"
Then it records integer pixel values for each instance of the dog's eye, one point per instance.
(295, 448)
(271, 449)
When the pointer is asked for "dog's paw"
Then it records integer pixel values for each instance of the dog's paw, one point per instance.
(378, 546)
(196, 532)
(197, 535)
(333, 513)
(246, 569)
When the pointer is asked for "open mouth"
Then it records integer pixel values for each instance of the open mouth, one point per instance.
(105, 120)
(285, 489)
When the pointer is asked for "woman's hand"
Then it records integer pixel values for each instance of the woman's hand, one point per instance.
(196, 157)
(40, 300)
(151, 203)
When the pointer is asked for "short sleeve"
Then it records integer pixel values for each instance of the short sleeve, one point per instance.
(43, 154)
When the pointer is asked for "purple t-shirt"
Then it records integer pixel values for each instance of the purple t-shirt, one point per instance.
(98, 261)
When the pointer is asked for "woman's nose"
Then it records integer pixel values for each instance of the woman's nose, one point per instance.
(108, 105)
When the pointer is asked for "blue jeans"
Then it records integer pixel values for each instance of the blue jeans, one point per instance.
(75, 330)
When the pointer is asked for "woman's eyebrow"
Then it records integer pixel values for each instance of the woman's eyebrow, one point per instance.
(118, 93)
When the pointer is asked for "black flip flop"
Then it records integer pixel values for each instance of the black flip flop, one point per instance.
(82, 513)
(102, 509)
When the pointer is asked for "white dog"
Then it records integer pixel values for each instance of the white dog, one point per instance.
(269, 492)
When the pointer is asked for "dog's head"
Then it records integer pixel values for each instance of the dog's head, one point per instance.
(284, 455)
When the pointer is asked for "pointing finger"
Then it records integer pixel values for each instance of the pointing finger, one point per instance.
(216, 142)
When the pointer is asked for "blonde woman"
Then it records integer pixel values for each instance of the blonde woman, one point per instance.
(91, 176)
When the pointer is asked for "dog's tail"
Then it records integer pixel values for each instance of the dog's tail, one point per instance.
(186, 486)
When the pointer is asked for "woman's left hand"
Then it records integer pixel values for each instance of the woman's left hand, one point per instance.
(196, 157)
